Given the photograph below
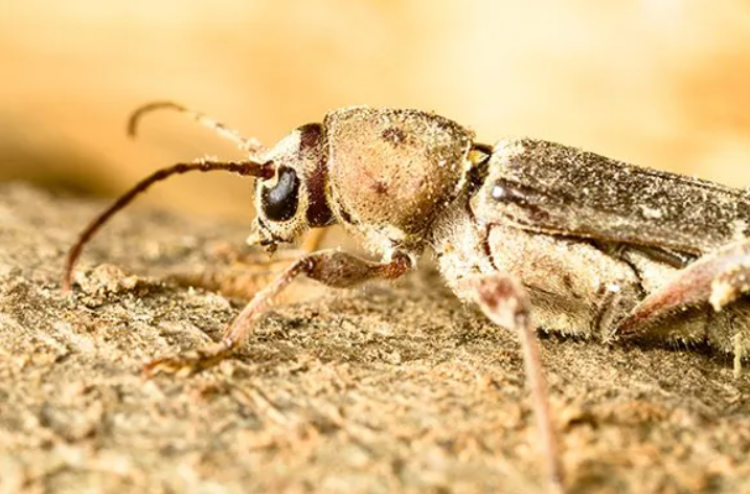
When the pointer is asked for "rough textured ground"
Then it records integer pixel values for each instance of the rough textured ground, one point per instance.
(390, 388)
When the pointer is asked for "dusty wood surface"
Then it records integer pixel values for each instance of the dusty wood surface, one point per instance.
(389, 388)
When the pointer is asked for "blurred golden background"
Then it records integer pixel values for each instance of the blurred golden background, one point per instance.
(662, 84)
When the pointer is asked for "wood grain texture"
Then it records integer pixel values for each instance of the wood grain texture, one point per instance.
(390, 388)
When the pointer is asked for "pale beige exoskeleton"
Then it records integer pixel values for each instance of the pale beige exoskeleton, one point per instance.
(540, 235)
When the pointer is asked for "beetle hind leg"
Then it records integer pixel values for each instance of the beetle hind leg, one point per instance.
(705, 295)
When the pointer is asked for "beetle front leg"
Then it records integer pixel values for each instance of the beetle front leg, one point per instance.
(506, 303)
(330, 267)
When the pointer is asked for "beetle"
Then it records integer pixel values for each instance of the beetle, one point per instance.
(540, 235)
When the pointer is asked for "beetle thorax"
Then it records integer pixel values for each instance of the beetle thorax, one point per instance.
(390, 172)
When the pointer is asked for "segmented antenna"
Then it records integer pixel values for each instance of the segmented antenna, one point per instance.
(246, 168)
(248, 144)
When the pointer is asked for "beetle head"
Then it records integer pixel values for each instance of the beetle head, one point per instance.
(294, 198)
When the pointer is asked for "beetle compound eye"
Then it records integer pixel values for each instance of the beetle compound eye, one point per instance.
(279, 202)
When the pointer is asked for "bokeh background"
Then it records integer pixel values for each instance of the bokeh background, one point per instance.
(663, 84)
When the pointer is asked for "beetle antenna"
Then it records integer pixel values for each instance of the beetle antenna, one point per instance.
(245, 168)
(250, 145)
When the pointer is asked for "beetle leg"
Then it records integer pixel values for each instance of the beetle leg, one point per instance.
(718, 278)
(330, 267)
(506, 303)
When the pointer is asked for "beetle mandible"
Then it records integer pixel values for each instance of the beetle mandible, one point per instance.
(538, 234)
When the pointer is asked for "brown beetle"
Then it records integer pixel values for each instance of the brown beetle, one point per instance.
(525, 228)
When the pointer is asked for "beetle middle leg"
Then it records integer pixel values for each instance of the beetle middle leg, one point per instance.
(506, 303)
(330, 267)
